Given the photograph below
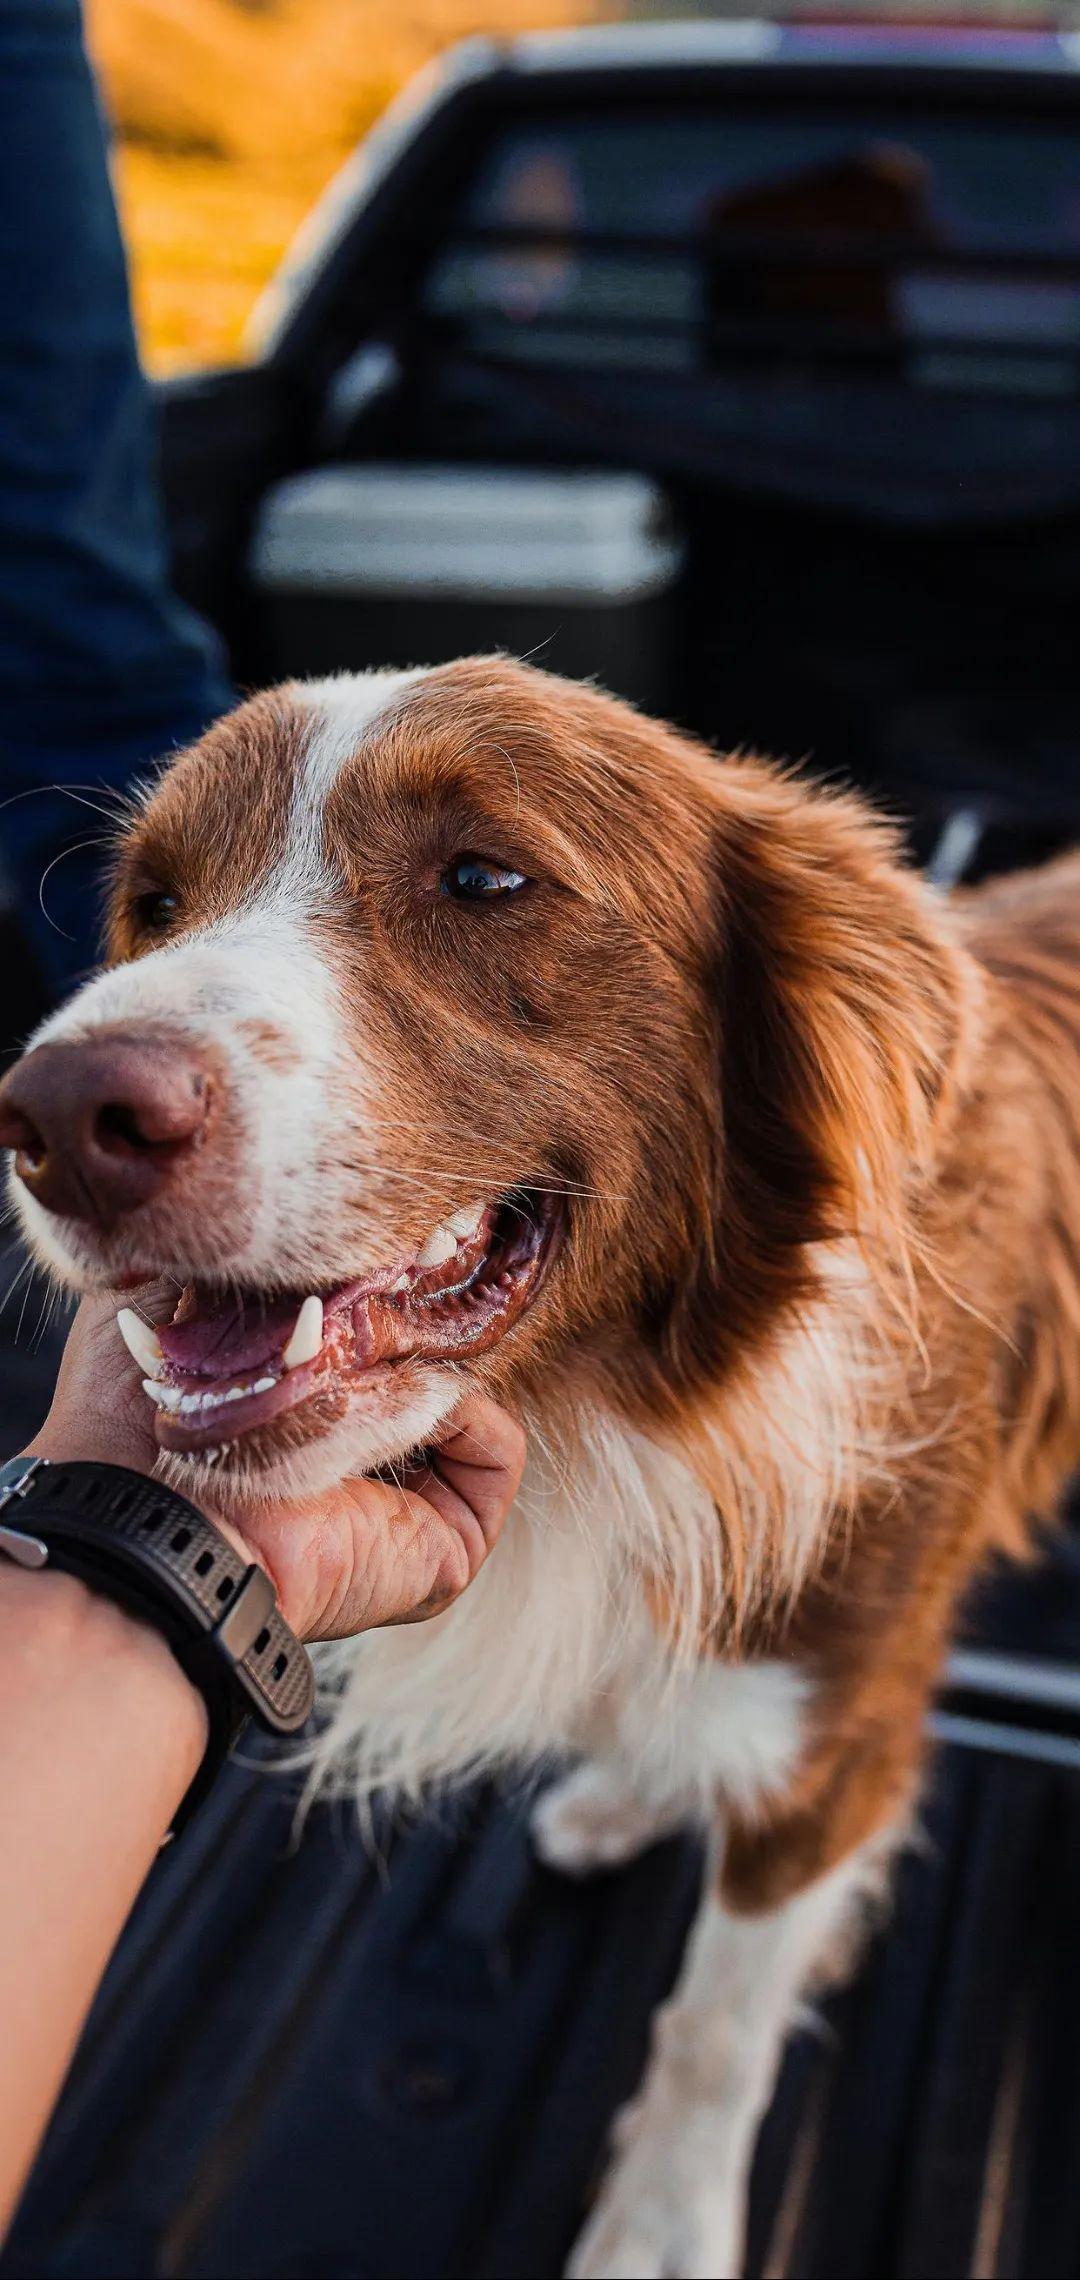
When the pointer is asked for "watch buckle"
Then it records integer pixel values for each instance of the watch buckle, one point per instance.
(15, 1478)
(26, 1551)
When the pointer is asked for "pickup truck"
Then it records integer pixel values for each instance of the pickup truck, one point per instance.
(791, 313)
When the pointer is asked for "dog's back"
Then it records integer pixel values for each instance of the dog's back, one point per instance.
(1025, 931)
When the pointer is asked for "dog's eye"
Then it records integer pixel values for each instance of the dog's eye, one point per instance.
(155, 910)
(473, 878)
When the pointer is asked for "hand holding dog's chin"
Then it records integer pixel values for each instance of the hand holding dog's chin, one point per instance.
(371, 1553)
(364, 1554)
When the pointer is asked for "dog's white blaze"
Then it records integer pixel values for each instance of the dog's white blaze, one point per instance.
(262, 963)
(342, 710)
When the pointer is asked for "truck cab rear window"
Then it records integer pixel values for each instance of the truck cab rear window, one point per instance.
(701, 234)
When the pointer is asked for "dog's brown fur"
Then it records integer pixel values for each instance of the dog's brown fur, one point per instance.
(766, 1057)
(997, 1285)
(800, 1146)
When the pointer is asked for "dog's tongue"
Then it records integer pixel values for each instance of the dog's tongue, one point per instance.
(224, 1339)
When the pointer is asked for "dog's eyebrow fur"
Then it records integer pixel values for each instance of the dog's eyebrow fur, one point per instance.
(343, 714)
(216, 823)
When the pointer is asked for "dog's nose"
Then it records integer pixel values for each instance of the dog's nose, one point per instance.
(100, 1126)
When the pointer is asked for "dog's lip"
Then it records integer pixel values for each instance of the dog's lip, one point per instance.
(370, 1324)
(224, 1336)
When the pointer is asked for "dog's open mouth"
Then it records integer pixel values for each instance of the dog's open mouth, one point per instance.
(229, 1365)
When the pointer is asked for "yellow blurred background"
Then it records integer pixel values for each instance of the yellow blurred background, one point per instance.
(230, 117)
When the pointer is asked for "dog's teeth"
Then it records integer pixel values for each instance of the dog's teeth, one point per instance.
(142, 1343)
(307, 1337)
(466, 1222)
(440, 1246)
(402, 1283)
(170, 1396)
(166, 1396)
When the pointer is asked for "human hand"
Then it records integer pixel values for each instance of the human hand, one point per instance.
(366, 1553)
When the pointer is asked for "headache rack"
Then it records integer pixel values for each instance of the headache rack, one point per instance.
(993, 318)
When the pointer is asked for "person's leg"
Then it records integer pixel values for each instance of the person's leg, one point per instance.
(101, 668)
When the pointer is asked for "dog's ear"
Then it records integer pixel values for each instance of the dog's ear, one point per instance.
(840, 1004)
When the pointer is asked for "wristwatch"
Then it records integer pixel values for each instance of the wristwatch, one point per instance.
(147, 1548)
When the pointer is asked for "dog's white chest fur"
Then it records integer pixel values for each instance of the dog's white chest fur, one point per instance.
(553, 1651)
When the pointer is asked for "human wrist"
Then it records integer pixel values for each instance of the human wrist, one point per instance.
(91, 1439)
(140, 1544)
(63, 1642)
(102, 1737)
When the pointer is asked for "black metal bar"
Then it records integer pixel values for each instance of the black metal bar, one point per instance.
(1016, 1706)
(750, 335)
(726, 248)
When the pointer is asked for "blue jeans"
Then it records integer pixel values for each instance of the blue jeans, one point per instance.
(101, 668)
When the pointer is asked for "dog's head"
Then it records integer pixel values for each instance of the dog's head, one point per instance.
(464, 1020)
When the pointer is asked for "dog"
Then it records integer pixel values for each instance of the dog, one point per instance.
(461, 1024)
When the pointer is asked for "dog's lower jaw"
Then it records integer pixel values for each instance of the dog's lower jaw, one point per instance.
(405, 1412)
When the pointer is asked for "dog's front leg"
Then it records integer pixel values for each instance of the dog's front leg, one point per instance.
(595, 1817)
(673, 2203)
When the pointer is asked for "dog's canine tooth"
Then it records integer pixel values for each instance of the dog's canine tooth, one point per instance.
(142, 1343)
(440, 1246)
(307, 1336)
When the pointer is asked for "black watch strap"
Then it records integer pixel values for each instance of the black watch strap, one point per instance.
(141, 1544)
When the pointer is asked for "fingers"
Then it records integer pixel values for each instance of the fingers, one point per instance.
(475, 1471)
(399, 1550)
(98, 1410)
(369, 1553)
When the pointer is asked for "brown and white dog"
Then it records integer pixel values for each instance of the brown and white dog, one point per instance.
(463, 1024)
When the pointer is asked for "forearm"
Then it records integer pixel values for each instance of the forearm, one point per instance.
(102, 1735)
